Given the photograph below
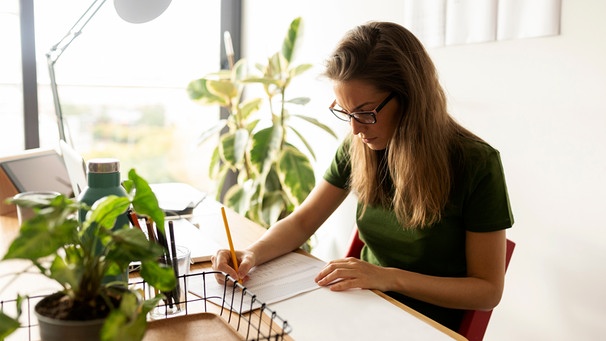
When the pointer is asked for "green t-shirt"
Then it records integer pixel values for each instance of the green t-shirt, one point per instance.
(478, 202)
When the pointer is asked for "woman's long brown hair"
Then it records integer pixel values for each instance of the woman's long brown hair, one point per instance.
(418, 156)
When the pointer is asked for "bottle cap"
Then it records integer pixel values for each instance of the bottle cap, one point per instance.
(104, 165)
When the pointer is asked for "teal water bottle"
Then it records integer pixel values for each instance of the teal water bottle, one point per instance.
(103, 180)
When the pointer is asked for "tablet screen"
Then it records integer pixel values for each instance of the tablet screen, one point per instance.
(39, 172)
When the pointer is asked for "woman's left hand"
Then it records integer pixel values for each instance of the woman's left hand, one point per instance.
(347, 273)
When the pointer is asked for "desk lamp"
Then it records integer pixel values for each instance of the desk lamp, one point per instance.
(133, 11)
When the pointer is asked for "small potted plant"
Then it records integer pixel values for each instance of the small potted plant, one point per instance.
(68, 252)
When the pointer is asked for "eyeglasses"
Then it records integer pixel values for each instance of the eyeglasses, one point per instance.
(364, 117)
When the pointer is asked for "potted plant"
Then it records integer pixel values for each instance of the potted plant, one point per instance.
(68, 252)
(273, 174)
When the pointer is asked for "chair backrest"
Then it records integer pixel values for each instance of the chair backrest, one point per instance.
(355, 245)
(474, 324)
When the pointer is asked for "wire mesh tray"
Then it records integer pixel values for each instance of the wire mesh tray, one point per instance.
(261, 323)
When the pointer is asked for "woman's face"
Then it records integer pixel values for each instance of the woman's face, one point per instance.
(354, 96)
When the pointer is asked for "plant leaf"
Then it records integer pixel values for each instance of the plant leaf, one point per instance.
(222, 88)
(318, 124)
(239, 197)
(288, 46)
(299, 69)
(199, 92)
(252, 125)
(277, 65)
(39, 237)
(159, 276)
(240, 71)
(299, 100)
(212, 131)
(227, 150)
(65, 273)
(296, 174)
(130, 245)
(272, 181)
(304, 140)
(214, 165)
(145, 201)
(7, 325)
(126, 323)
(249, 107)
(106, 210)
(240, 145)
(266, 142)
(273, 206)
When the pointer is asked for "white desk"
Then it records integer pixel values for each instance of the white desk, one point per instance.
(352, 315)
(317, 315)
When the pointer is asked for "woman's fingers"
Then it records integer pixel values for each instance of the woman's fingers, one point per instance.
(222, 261)
(347, 273)
(336, 270)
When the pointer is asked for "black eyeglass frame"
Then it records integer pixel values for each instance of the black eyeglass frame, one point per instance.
(357, 114)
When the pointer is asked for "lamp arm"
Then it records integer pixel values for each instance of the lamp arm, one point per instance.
(57, 50)
(56, 102)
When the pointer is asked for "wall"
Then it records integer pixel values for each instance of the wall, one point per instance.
(539, 101)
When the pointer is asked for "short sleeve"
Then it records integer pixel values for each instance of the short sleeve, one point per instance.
(487, 205)
(339, 170)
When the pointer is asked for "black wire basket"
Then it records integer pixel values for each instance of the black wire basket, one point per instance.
(251, 320)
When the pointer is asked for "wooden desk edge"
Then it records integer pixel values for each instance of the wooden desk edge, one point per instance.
(420, 316)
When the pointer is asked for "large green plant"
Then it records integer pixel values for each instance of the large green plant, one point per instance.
(274, 175)
(68, 252)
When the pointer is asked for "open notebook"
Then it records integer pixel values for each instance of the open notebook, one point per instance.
(274, 281)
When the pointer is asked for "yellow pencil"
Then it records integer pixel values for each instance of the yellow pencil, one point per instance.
(231, 244)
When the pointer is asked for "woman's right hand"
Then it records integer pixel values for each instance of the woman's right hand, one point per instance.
(222, 261)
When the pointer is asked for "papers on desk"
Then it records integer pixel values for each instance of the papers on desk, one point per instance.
(274, 281)
(201, 244)
(176, 196)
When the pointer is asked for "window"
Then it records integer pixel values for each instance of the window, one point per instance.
(11, 103)
(122, 86)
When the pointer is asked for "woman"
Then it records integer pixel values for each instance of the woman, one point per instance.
(432, 199)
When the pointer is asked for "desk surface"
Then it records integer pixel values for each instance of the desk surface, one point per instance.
(313, 316)
(310, 311)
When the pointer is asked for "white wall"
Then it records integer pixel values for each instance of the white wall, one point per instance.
(541, 102)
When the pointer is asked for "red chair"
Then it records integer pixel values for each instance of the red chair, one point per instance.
(355, 245)
(474, 324)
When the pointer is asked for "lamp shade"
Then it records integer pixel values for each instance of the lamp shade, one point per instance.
(140, 11)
